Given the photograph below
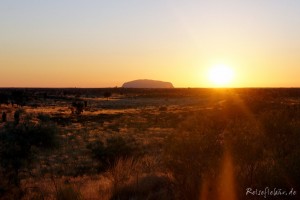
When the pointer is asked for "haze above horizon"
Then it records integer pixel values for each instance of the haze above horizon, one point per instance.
(106, 43)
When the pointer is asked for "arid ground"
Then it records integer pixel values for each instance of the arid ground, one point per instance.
(119, 143)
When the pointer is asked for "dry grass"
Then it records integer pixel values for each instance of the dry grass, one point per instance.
(85, 187)
(149, 120)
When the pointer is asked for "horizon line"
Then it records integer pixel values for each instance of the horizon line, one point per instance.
(280, 87)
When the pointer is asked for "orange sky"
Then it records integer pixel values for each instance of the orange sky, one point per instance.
(103, 44)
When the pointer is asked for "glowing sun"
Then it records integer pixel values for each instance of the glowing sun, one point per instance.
(220, 75)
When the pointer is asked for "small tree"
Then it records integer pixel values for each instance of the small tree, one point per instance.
(79, 106)
(3, 99)
(17, 115)
(107, 94)
(4, 117)
(18, 97)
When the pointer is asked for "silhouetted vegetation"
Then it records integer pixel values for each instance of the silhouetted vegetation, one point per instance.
(3, 116)
(107, 94)
(68, 192)
(79, 107)
(18, 97)
(115, 147)
(4, 98)
(148, 143)
(18, 143)
(263, 145)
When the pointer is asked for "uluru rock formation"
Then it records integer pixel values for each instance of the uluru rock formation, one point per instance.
(145, 83)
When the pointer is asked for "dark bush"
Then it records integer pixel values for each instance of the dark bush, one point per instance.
(4, 98)
(17, 145)
(115, 147)
(107, 94)
(44, 117)
(3, 116)
(19, 97)
(68, 192)
(79, 106)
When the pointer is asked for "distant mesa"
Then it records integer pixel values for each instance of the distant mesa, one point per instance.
(145, 83)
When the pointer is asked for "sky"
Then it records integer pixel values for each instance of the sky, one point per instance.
(102, 43)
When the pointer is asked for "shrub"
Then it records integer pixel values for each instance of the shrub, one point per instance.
(4, 99)
(122, 171)
(68, 192)
(116, 147)
(19, 97)
(44, 117)
(3, 116)
(79, 106)
(107, 94)
(17, 144)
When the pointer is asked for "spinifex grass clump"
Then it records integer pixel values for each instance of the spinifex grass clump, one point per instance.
(115, 147)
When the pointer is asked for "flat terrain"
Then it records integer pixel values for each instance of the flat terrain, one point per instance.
(121, 143)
